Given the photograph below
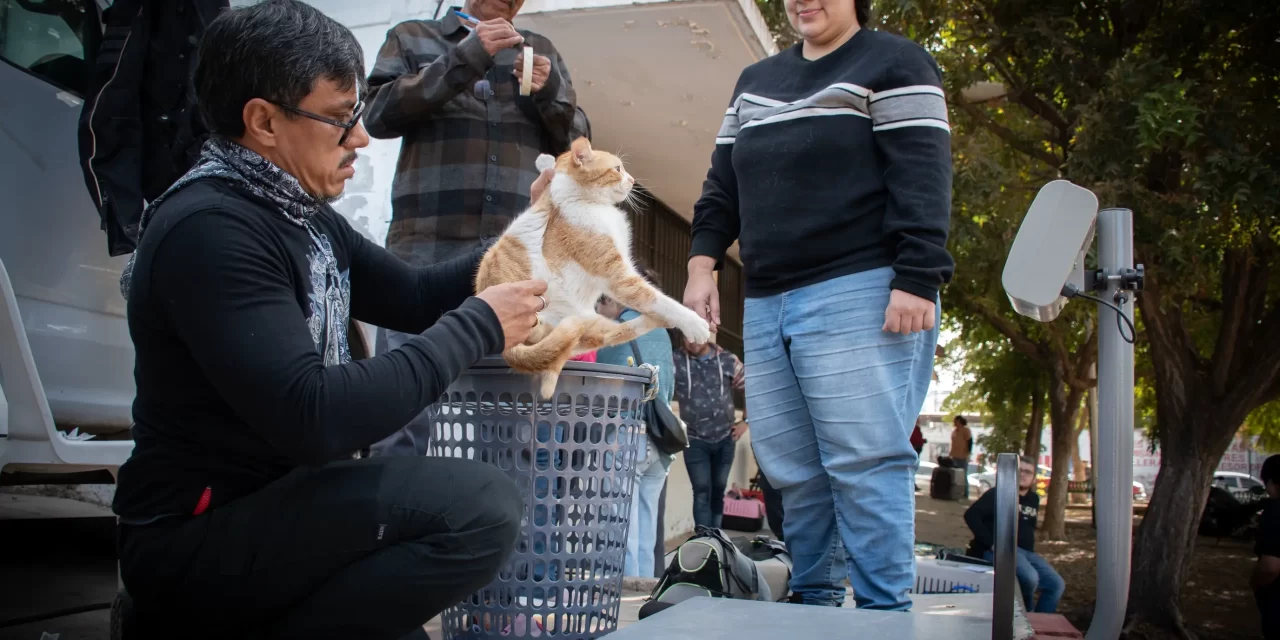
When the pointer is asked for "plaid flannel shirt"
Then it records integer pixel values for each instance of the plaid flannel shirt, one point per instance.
(467, 158)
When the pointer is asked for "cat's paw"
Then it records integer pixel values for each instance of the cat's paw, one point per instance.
(695, 329)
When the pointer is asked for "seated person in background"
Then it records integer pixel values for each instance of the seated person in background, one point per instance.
(1266, 575)
(1033, 571)
(242, 511)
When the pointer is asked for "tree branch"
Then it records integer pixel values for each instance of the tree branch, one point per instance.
(1007, 328)
(1085, 357)
(1236, 286)
(1176, 362)
(1035, 104)
(1009, 136)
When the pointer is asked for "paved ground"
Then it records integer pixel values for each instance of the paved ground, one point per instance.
(52, 564)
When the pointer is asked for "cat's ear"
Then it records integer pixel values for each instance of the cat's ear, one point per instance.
(581, 151)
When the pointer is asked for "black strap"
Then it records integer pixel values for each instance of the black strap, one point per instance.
(635, 350)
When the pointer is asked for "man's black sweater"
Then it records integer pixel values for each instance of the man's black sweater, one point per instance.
(227, 323)
(833, 166)
(981, 518)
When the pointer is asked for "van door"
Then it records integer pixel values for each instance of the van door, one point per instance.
(50, 241)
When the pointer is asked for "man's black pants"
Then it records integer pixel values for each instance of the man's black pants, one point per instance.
(354, 549)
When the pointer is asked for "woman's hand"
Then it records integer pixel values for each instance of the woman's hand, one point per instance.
(907, 314)
(700, 293)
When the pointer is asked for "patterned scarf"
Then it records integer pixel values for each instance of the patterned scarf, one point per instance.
(226, 160)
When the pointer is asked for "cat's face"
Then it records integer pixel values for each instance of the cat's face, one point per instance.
(597, 173)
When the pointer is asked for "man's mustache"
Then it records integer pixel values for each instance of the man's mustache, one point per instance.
(348, 160)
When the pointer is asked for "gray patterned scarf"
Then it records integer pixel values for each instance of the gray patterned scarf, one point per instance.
(226, 160)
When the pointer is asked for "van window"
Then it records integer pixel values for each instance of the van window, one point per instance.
(46, 38)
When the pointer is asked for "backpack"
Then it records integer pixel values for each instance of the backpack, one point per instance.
(710, 565)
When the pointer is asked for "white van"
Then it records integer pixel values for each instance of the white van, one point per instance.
(66, 361)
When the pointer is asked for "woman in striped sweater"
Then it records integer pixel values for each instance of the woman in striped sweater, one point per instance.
(832, 171)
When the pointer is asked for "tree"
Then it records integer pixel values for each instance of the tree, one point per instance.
(997, 172)
(1002, 385)
(1167, 107)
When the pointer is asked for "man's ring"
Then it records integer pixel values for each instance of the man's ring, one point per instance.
(544, 303)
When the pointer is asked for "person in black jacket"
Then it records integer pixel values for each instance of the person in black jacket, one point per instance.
(1033, 571)
(242, 511)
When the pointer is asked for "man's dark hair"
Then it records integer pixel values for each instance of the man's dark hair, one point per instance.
(862, 11)
(1271, 469)
(275, 50)
(961, 420)
(1027, 460)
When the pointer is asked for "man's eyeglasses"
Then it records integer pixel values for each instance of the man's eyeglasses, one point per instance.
(345, 126)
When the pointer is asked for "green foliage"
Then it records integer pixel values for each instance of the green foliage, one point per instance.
(1264, 422)
(1000, 384)
(775, 15)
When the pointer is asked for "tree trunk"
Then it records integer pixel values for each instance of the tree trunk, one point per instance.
(1077, 460)
(1036, 426)
(1064, 402)
(1196, 430)
(1200, 405)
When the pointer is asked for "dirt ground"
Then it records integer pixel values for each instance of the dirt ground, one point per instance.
(1216, 601)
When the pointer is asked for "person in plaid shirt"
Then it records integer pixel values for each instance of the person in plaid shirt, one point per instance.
(450, 89)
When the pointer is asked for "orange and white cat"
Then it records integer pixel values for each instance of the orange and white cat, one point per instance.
(577, 240)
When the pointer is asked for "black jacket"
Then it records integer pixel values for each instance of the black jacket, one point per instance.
(231, 326)
(981, 518)
(139, 127)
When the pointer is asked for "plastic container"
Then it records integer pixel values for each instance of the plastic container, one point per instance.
(574, 459)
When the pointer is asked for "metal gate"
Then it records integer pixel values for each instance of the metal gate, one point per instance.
(661, 239)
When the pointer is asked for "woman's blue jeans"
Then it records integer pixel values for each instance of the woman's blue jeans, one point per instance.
(832, 400)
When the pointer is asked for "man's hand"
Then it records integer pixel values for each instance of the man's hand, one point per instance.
(541, 70)
(497, 34)
(738, 430)
(700, 293)
(540, 185)
(906, 314)
(517, 305)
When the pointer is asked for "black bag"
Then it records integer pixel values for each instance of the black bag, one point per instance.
(664, 427)
(711, 565)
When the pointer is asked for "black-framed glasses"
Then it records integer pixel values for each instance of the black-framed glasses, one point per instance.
(345, 126)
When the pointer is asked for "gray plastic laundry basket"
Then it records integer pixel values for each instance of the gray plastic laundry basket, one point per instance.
(574, 459)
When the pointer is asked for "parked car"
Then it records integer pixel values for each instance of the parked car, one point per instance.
(1228, 514)
(1241, 486)
(986, 479)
